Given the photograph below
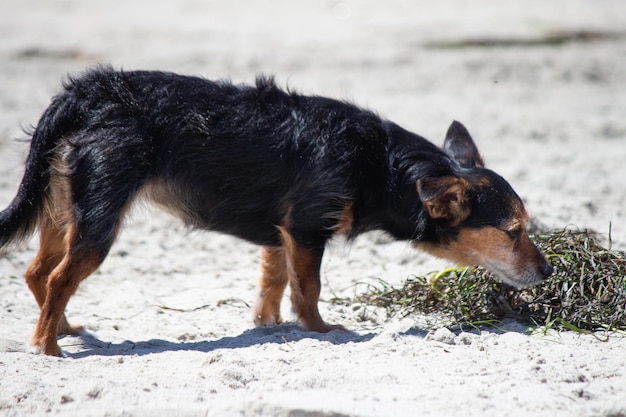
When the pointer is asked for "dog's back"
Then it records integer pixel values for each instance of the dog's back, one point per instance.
(237, 159)
(231, 158)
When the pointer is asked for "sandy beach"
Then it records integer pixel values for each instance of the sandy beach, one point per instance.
(540, 86)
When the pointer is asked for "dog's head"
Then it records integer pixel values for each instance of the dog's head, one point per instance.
(478, 217)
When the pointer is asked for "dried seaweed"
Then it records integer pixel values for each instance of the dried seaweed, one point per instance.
(586, 292)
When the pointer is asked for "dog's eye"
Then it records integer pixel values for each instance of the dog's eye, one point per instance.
(513, 234)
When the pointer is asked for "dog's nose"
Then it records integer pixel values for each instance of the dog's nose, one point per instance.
(546, 270)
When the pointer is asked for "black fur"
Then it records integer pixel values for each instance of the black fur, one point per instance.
(235, 159)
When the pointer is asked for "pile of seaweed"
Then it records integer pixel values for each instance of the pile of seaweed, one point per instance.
(586, 292)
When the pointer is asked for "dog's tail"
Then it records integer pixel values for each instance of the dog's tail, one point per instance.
(19, 220)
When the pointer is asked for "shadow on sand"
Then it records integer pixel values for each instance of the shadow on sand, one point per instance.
(90, 345)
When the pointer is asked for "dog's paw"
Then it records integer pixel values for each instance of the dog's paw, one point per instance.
(268, 320)
(65, 328)
(322, 327)
(265, 313)
(37, 350)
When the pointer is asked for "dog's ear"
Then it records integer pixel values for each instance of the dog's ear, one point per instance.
(460, 146)
(445, 198)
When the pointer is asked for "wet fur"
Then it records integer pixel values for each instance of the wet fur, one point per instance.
(279, 169)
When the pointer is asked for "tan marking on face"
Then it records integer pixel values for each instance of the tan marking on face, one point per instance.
(515, 260)
(516, 224)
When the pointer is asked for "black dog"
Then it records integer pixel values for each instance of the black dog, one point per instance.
(276, 168)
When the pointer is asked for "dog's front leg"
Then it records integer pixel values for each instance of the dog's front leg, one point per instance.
(303, 269)
(273, 281)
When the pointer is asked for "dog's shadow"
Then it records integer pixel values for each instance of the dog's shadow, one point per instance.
(284, 334)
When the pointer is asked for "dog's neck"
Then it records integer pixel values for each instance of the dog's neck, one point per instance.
(395, 202)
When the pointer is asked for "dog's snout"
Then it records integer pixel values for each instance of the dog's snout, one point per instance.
(546, 270)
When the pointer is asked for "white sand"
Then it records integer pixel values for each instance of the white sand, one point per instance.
(550, 119)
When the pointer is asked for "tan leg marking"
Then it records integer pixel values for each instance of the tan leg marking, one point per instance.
(272, 286)
(62, 283)
(51, 252)
(303, 270)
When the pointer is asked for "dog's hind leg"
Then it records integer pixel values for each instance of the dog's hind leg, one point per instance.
(90, 211)
(51, 252)
(272, 285)
(77, 264)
